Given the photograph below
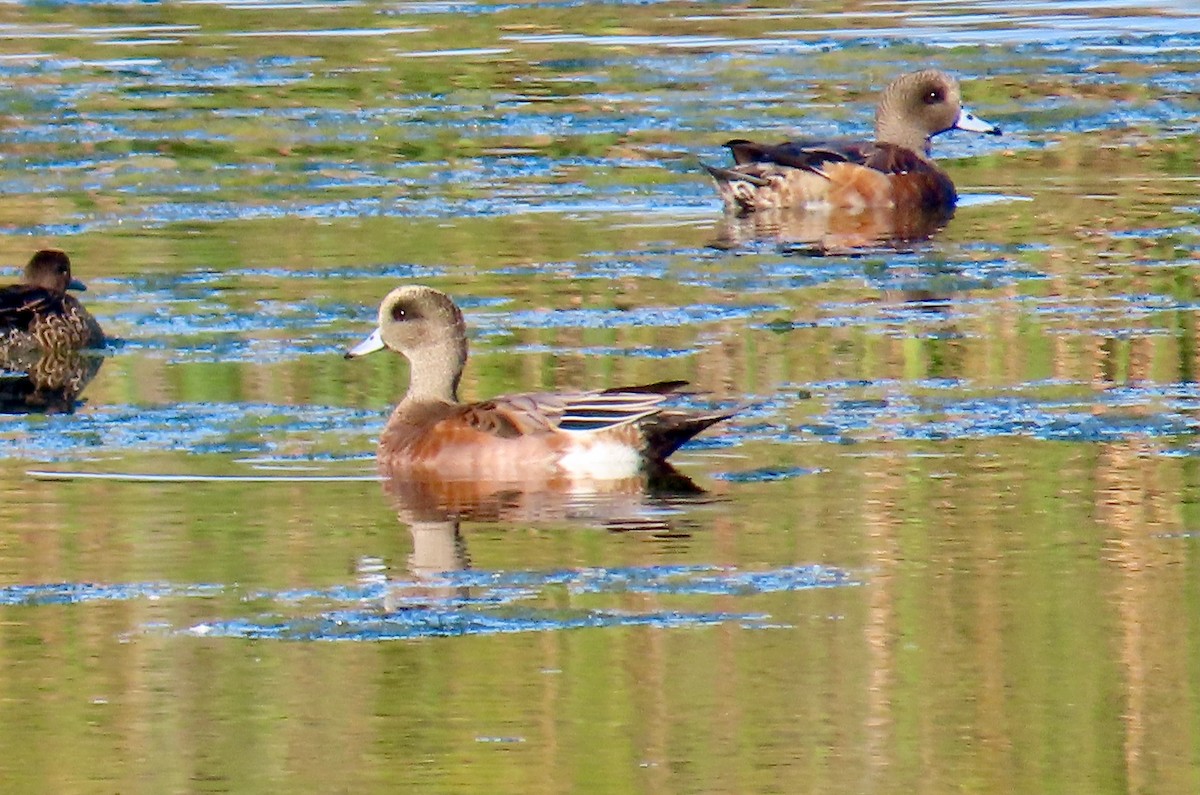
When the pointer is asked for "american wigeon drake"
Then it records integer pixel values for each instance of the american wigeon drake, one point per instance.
(39, 315)
(598, 434)
(894, 170)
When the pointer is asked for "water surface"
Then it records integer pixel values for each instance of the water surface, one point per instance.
(950, 542)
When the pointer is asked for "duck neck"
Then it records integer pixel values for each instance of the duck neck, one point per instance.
(889, 129)
(434, 372)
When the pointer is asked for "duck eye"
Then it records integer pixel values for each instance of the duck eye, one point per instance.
(934, 96)
(401, 313)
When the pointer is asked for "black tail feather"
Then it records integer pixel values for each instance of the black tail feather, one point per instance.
(668, 431)
(657, 388)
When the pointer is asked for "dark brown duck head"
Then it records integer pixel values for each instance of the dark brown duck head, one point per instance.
(50, 269)
(426, 327)
(919, 105)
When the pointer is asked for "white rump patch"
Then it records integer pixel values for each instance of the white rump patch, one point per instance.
(600, 460)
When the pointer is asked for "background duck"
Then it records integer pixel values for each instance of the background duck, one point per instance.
(38, 314)
(894, 170)
(598, 434)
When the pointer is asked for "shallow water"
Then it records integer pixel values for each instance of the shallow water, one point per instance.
(949, 543)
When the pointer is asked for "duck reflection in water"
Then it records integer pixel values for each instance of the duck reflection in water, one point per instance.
(434, 509)
(48, 340)
(595, 456)
(832, 232)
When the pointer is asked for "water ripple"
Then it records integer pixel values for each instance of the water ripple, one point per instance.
(494, 610)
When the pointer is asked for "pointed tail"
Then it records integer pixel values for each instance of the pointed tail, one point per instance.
(667, 431)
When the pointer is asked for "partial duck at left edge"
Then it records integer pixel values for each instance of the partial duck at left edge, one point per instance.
(39, 315)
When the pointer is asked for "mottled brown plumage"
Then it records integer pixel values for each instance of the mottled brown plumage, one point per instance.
(38, 314)
(895, 170)
(46, 381)
(512, 437)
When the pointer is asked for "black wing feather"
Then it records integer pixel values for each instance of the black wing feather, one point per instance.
(21, 304)
(810, 155)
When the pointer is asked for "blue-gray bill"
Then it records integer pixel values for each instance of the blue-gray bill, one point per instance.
(971, 123)
(369, 345)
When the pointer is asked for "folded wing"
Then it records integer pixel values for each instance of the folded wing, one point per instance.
(533, 413)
